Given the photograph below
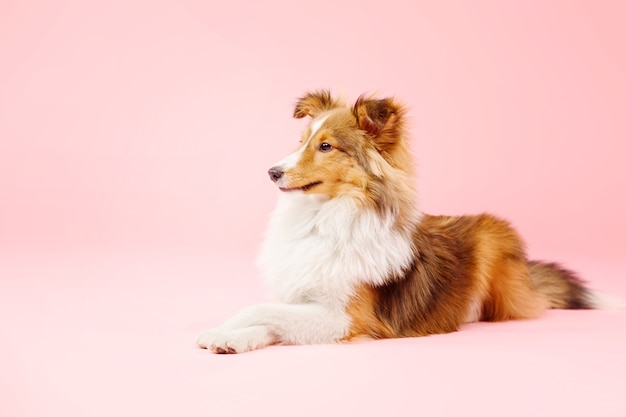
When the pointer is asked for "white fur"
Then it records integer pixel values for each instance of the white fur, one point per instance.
(318, 250)
(607, 302)
(291, 160)
(315, 252)
(264, 324)
(317, 124)
(474, 311)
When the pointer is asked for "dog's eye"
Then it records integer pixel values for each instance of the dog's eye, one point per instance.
(325, 147)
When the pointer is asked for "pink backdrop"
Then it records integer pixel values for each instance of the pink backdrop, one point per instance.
(153, 123)
(145, 128)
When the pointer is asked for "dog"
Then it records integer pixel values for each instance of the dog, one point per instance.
(348, 254)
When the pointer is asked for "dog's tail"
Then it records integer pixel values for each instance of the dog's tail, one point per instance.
(561, 287)
(564, 289)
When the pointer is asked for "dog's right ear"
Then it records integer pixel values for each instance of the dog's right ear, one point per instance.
(313, 103)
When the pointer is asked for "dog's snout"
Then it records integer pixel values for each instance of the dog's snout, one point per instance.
(275, 173)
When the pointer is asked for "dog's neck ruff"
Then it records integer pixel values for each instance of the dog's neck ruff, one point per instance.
(318, 249)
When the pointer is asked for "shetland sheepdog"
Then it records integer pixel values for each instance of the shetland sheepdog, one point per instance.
(349, 255)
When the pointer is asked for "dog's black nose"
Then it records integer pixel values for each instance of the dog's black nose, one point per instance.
(275, 173)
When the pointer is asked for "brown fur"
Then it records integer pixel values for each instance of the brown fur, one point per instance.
(464, 268)
(458, 260)
(560, 286)
(311, 104)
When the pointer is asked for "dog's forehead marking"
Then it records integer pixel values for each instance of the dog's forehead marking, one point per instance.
(291, 160)
(317, 124)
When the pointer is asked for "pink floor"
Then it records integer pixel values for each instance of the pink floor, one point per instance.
(86, 334)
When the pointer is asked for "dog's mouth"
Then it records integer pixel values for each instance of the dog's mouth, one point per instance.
(306, 187)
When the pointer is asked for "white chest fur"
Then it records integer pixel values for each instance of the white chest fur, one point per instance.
(317, 250)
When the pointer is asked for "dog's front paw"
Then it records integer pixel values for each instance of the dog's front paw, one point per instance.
(214, 340)
(235, 340)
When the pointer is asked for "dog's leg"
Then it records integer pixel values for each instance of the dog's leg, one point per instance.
(265, 324)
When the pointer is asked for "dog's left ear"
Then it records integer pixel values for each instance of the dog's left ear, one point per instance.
(380, 119)
(313, 103)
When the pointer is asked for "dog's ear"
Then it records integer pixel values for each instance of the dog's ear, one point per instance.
(382, 120)
(313, 103)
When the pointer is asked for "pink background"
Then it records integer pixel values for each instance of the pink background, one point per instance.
(134, 142)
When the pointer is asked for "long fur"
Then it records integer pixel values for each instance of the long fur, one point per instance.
(348, 254)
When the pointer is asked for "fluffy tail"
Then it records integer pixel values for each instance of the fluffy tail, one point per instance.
(560, 286)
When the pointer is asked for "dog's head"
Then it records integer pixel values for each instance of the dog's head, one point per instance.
(345, 149)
